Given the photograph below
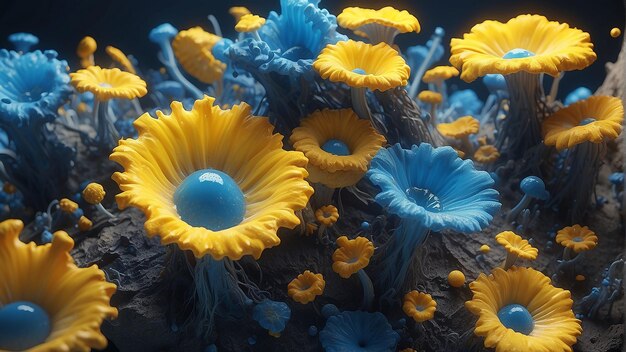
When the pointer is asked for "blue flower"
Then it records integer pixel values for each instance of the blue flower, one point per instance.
(358, 331)
(434, 186)
(495, 82)
(577, 94)
(465, 102)
(23, 41)
(34, 86)
(272, 315)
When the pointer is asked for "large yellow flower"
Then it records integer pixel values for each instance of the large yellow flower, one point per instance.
(577, 238)
(75, 300)
(216, 182)
(518, 310)
(338, 144)
(592, 120)
(107, 83)
(528, 43)
(378, 25)
(192, 48)
(362, 65)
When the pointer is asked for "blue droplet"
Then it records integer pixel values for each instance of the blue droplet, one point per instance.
(365, 225)
(23, 325)
(586, 121)
(312, 330)
(518, 53)
(252, 340)
(46, 236)
(359, 71)
(211, 199)
(517, 318)
(336, 147)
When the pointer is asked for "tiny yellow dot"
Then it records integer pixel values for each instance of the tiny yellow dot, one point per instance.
(616, 32)
(580, 278)
(456, 278)
(485, 248)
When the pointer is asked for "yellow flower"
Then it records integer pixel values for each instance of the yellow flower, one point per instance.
(486, 154)
(378, 25)
(310, 229)
(327, 215)
(577, 238)
(595, 120)
(304, 288)
(238, 12)
(518, 310)
(361, 65)
(528, 43)
(459, 128)
(352, 255)
(84, 224)
(419, 306)
(456, 278)
(208, 145)
(338, 144)
(516, 245)
(249, 23)
(192, 48)
(75, 299)
(440, 73)
(430, 97)
(107, 83)
(94, 193)
(85, 49)
(67, 206)
(118, 56)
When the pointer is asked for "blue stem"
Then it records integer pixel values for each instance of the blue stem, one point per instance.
(435, 40)
(523, 203)
(368, 289)
(169, 62)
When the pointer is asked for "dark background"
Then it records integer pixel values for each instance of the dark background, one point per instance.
(60, 24)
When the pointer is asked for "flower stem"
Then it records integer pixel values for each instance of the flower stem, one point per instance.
(368, 289)
(104, 211)
(523, 204)
(510, 261)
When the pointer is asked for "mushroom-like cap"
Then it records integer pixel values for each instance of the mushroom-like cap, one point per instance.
(486, 154)
(336, 171)
(615, 32)
(555, 327)
(362, 65)
(86, 47)
(550, 47)
(580, 93)
(118, 56)
(271, 179)
(93, 193)
(249, 23)
(238, 12)
(495, 82)
(515, 244)
(84, 224)
(440, 73)
(108, 83)
(23, 41)
(162, 33)
(355, 17)
(76, 300)
(67, 205)
(534, 187)
(327, 215)
(193, 50)
(352, 255)
(272, 315)
(304, 288)
(595, 120)
(459, 128)
(456, 278)
(430, 97)
(419, 306)
(577, 238)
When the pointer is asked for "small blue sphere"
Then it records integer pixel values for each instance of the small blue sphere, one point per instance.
(23, 325)
(336, 147)
(312, 330)
(517, 318)
(46, 236)
(365, 225)
(211, 199)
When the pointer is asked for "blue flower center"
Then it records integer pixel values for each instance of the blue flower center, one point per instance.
(298, 53)
(424, 198)
(23, 325)
(517, 318)
(211, 199)
(359, 71)
(586, 121)
(518, 53)
(577, 239)
(336, 147)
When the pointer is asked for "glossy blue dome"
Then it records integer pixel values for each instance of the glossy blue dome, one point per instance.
(517, 318)
(23, 325)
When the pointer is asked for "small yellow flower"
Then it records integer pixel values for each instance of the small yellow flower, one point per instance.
(459, 128)
(419, 306)
(67, 206)
(456, 278)
(378, 25)
(249, 23)
(107, 83)
(361, 65)
(327, 215)
(311, 228)
(94, 193)
(118, 56)
(486, 154)
(238, 12)
(430, 97)
(516, 245)
(352, 255)
(84, 224)
(439, 74)
(577, 238)
(518, 310)
(615, 32)
(596, 119)
(86, 47)
(304, 288)
(192, 48)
